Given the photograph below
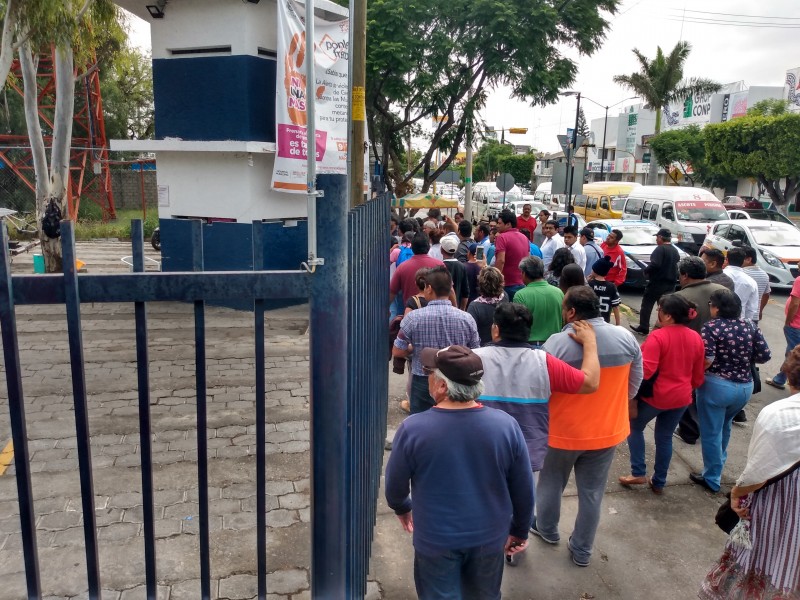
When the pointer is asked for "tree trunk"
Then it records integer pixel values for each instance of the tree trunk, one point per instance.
(7, 40)
(652, 174)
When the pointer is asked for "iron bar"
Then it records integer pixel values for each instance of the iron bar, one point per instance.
(19, 429)
(76, 359)
(145, 429)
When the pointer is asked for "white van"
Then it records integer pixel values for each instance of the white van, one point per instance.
(487, 199)
(543, 194)
(687, 212)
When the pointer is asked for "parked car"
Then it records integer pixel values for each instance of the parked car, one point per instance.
(778, 246)
(603, 199)
(760, 214)
(735, 202)
(687, 212)
(638, 243)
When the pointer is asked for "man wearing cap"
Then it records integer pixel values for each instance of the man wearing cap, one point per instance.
(585, 429)
(662, 273)
(458, 272)
(436, 325)
(466, 469)
(590, 248)
(606, 291)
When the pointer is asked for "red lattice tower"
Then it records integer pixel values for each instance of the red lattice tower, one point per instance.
(89, 172)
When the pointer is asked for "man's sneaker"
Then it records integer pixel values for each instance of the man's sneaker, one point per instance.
(538, 534)
(740, 417)
(774, 384)
(577, 561)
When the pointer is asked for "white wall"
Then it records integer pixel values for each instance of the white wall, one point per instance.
(224, 185)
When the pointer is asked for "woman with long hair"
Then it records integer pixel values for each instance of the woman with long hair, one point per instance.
(673, 361)
(561, 258)
(761, 560)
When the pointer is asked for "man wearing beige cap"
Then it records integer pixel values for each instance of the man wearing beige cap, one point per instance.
(468, 470)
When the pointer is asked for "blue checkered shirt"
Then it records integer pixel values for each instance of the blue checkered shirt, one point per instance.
(438, 325)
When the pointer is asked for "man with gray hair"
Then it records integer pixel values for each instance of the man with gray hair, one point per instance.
(467, 469)
(541, 299)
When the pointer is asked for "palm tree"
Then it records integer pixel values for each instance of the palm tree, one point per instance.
(660, 82)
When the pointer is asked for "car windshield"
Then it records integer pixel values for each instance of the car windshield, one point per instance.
(700, 211)
(776, 236)
(769, 215)
(618, 202)
(638, 236)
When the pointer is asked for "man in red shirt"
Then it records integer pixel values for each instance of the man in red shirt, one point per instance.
(404, 280)
(611, 248)
(510, 248)
(526, 220)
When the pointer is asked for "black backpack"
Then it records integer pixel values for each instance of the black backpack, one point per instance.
(51, 221)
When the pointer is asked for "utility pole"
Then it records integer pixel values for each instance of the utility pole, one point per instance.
(358, 116)
(573, 152)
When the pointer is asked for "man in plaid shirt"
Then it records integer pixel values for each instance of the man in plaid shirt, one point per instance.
(437, 325)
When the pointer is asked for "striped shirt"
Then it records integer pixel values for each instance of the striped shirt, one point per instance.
(438, 325)
(761, 278)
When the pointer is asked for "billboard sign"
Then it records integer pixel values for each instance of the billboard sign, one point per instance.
(791, 89)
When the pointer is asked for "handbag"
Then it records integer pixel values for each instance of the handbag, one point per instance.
(726, 518)
(756, 378)
(646, 387)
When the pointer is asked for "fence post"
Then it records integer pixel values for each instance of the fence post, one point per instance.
(329, 368)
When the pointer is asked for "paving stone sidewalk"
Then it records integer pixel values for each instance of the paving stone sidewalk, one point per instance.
(109, 341)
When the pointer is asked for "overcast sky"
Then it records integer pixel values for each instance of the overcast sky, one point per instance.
(732, 40)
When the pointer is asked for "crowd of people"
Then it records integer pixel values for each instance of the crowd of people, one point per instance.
(518, 379)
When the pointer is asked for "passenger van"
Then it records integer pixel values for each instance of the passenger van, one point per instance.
(687, 212)
(603, 199)
(543, 194)
(487, 199)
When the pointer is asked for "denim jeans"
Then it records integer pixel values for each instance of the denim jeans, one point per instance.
(718, 401)
(420, 398)
(396, 308)
(591, 474)
(512, 289)
(468, 574)
(666, 421)
(792, 336)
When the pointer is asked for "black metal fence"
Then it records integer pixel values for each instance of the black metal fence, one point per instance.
(349, 382)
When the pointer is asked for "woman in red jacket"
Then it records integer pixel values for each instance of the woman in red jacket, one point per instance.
(676, 355)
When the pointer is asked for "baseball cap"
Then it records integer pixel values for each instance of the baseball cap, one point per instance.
(457, 363)
(449, 243)
(472, 248)
(664, 233)
(588, 232)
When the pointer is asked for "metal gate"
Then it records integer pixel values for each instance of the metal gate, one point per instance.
(349, 382)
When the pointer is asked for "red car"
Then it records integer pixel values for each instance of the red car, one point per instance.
(739, 202)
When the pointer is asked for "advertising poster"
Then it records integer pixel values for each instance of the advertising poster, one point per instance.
(332, 93)
(695, 110)
(791, 89)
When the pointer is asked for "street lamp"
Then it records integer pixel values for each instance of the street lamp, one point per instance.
(605, 125)
(573, 150)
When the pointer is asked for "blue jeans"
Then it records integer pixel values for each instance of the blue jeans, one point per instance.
(512, 289)
(666, 422)
(718, 401)
(420, 399)
(396, 308)
(591, 474)
(792, 336)
(467, 574)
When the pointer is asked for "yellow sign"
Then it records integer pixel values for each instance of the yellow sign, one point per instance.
(359, 104)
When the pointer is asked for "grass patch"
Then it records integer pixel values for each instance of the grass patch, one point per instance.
(90, 225)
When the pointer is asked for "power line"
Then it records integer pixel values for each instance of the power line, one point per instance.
(706, 12)
(733, 23)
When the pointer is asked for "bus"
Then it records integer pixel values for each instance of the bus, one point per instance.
(603, 199)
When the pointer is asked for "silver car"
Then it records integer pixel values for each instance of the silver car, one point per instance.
(778, 246)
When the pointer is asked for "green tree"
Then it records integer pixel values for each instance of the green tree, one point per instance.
(486, 163)
(127, 87)
(769, 107)
(519, 166)
(759, 147)
(660, 82)
(583, 125)
(426, 59)
(685, 150)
